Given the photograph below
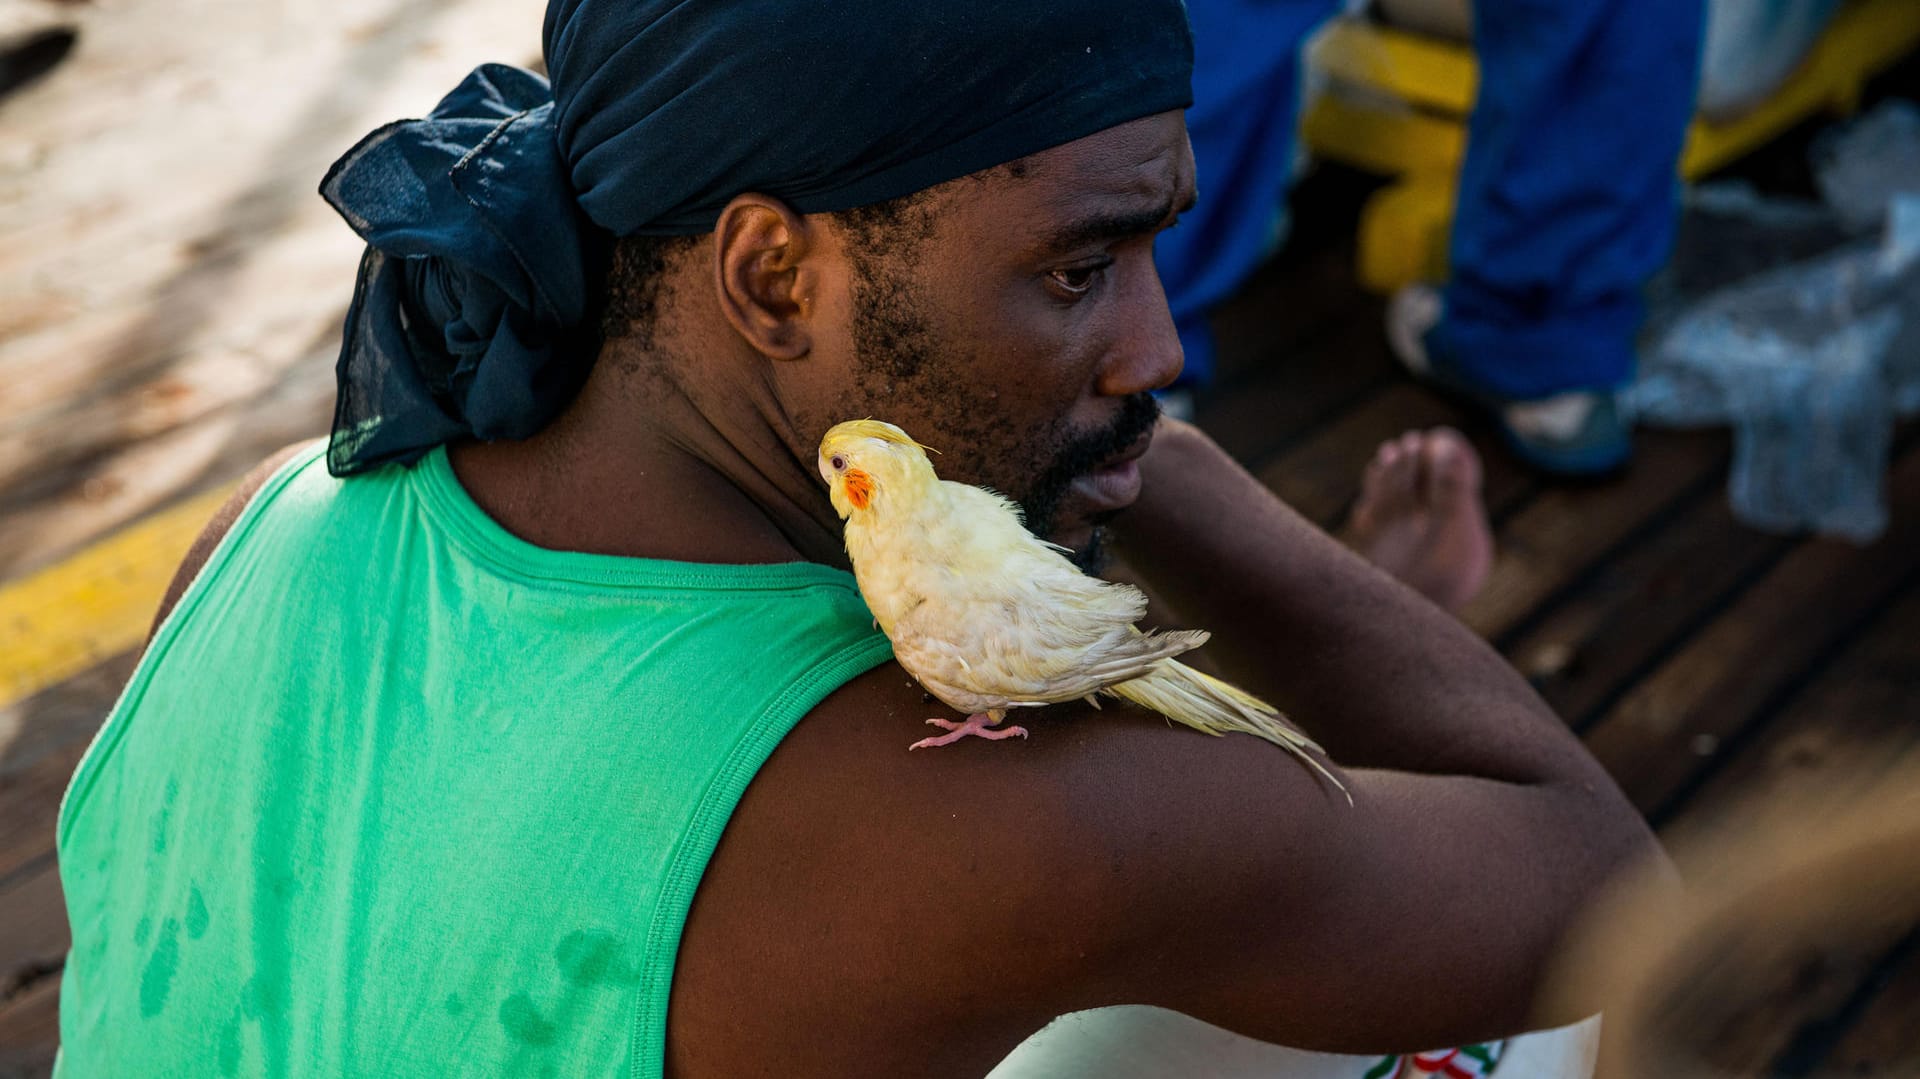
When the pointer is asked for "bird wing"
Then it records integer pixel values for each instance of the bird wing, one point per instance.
(1009, 620)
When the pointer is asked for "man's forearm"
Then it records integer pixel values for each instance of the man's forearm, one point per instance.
(1381, 677)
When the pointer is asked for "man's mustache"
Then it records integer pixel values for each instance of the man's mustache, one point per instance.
(1082, 455)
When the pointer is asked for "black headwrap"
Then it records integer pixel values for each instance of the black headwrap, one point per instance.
(488, 222)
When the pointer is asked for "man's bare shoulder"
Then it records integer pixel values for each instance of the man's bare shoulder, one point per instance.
(962, 896)
(223, 521)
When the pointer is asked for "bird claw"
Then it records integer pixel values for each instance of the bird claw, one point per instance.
(976, 725)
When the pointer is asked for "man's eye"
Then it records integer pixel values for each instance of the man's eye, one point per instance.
(1077, 280)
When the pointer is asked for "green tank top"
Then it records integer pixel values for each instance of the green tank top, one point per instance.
(394, 793)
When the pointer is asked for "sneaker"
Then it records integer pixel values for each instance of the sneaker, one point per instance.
(1577, 433)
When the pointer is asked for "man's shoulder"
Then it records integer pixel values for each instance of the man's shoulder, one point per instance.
(930, 880)
(1088, 789)
(223, 521)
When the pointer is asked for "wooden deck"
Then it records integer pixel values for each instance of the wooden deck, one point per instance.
(162, 352)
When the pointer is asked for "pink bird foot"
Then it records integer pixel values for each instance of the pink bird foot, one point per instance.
(980, 725)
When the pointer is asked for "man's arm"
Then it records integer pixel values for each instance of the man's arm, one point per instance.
(1481, 823)
(1377, 674)
(957, 899)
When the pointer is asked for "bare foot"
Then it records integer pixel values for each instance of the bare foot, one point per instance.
(1419, 516)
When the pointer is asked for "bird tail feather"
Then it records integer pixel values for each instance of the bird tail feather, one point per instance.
(1211, 706)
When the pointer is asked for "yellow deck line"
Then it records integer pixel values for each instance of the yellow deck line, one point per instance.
(96, 604)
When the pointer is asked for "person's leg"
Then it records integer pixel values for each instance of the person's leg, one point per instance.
(1246, 80)
(1568, 194)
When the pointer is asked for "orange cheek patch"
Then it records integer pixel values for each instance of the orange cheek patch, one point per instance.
(859, 488)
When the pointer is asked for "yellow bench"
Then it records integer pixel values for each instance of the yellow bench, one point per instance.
(1396, 103)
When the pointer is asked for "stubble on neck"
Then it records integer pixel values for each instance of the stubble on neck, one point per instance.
(650, 463)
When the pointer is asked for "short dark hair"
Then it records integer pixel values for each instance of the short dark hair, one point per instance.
(639, 265)
(634, 279)
(879, 231)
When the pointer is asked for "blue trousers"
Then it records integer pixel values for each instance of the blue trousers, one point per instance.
(1567, 198)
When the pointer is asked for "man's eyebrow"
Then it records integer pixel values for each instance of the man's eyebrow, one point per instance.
(1099, 227)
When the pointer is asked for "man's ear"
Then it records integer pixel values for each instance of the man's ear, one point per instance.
(767, 259)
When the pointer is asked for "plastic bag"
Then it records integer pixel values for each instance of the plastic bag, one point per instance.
(1863, 167)
(1805, 362)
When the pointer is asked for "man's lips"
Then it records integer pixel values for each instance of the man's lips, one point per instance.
(1114, 485)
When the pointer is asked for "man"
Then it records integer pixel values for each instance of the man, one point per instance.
(574, 752)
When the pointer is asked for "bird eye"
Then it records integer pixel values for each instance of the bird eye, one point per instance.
(838, 462)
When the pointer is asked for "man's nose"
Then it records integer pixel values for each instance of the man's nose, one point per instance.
(1146, 354)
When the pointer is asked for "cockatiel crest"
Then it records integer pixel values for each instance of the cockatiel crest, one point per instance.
(990, 618)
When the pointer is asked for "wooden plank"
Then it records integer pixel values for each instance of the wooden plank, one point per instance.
(1321, 476)
(33, 936)
(1300, 294)
(30, 1031)
(150, 335)
(33, 926)
(1640, 604)
(1262, 413)
(54, 730)
(1306, 288)
(1568, 528)
(97, 604)
(1816, 1039)
(1832, 742)
(1300, 349)
(1665, 732)
(29, 809)
(1849, 733)
(1884, 1042)
(52, 721)
(118, 472)
(1760, 985)
(1634, 607)
(1298, 341)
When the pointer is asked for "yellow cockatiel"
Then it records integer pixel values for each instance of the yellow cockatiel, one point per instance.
(989, 618)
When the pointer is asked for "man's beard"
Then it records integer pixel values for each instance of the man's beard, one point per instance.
(1080, 456)
(900, 352)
